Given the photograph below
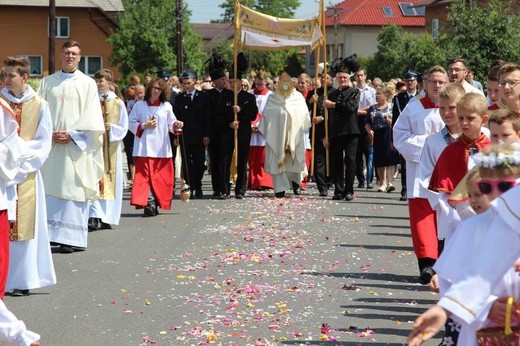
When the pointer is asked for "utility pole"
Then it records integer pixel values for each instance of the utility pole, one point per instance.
(335, 11)
(180, 45)
(52, 35)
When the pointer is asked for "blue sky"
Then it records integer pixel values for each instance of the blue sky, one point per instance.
(202, 11)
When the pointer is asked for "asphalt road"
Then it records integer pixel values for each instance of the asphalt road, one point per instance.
(257, 271)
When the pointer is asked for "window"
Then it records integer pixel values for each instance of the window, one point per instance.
(435, 28)
(35, 63)
(89, 65)
(62, 27)
(409, 11)
(388, 11)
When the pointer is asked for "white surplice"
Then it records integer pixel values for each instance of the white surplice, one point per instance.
(257, 138)
(414, 125)
(72, 172)
(109, 211)
(30, 264)
(494, 255)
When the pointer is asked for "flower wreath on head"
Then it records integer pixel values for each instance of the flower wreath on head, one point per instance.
(499, 160)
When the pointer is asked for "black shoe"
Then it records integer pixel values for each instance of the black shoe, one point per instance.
(279, 194)
(19, 293)
(337, 197)
(94, 224)
(216, 194)
(349, 197)
(296, 188)
(223, 196)
(150, 210)
(390, 188)
(369, 186)
(239, 196)
(66, 248)
(323, 193)
(104, 225)
(403, 198)
(198, 193)
(361, 185)
(426, 275)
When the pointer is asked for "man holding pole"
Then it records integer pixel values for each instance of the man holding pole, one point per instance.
(315, 102)
(344, 133)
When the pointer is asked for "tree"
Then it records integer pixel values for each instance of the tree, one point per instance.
(277, 8)
(482, 33)
(146, 38)
(400, 51)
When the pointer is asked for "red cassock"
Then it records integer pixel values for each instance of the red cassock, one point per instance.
(156, 173)
(257, 177)
(4, 251)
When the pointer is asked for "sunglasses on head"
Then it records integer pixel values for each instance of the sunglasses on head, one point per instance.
(487, 186)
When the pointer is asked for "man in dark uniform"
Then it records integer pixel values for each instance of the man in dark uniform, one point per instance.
(247, 110)
(320, 170)
(399, 102)
(221, 101)
(192, 108)
(344, 133)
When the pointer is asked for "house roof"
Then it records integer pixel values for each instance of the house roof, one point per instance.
(209, 30)
(105, 5)
(375, 13)
(214, 33)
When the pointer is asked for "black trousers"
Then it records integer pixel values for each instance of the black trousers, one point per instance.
(215, 158)
(226, 157)
(320, 162)
(362, 149)
(343, 161)
(242, 160)
(194, 157)
(403, 175)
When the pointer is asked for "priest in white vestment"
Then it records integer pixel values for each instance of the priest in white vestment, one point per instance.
(30, 263)
(284, 121)
(72, 172)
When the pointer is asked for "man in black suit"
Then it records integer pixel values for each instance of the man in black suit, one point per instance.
(320, 169)
(221, 101)
(192, 107)
(344, 132)
(247, 110)
(399, 102)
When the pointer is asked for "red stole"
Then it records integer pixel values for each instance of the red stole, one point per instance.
(452, 165)
(427, 103)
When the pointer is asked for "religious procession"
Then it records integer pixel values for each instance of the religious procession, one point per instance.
(436, 141)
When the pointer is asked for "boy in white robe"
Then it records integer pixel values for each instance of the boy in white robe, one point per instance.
(30, 264)
(106, 211)
(72, 172)
(11, 329)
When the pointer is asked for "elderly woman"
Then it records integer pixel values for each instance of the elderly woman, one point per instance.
(378, 123)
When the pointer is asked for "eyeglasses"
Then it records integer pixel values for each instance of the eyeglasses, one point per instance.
(438, 82)
(245, 85)
(456, 70)
(157, 88)
(487, 186)
(511, 83)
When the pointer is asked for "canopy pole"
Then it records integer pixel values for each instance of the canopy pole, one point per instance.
(325, 97)
(314, 110)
